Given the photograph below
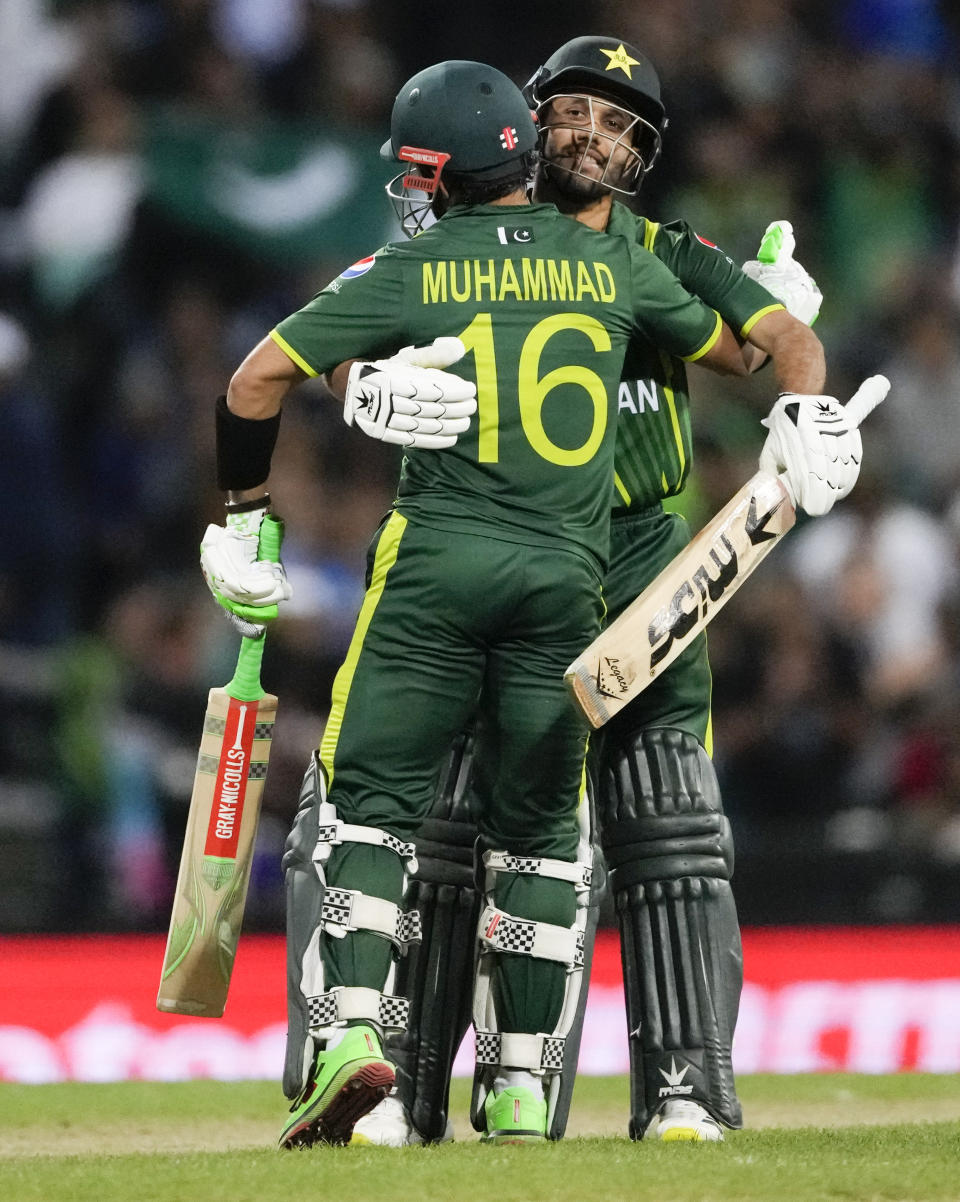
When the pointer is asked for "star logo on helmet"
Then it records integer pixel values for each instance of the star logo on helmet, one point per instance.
(620, 60)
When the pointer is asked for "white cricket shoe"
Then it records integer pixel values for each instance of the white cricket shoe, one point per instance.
(389, 1126)
(678, 1120)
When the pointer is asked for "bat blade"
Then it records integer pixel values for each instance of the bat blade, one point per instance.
(221, 830)
(217, 854)
(676, 607)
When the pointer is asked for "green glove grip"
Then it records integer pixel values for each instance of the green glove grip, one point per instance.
(245, 685)
(771, 245)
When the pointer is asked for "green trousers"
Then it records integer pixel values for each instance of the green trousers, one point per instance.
(453, 626)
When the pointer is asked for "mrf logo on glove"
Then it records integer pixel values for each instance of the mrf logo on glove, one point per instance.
(408, 401)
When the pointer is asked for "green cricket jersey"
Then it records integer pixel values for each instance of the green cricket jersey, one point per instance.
(546, 309)
(654, 446)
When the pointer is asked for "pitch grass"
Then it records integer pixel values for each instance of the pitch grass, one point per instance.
(809, 1138)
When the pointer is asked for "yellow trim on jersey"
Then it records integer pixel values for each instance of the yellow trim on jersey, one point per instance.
(708, 345)
(292, 354)
(748, 325)
(619, 486)
(583, 788)
(385, 558)
(650, 231)
(671, 400)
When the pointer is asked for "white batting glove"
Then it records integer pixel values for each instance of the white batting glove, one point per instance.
(248, 588)
(407, 401)
(782, 276)
(814, 445)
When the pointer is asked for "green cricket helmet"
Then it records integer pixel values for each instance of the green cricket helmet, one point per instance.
(459, 116)
(616, 73)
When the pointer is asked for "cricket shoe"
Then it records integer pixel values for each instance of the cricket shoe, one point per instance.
(389, 1125)
(347, 1082)
(683, 1120)
(514, 1116)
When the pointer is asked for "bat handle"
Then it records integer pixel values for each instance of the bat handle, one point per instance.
(867, 397)
(245, 685)
(271, 536)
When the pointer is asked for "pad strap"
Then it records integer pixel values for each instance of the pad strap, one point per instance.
(345, 1003)
(517, 1049)
(333, 834)
(579, 875)
(346, 910)
(501, 932)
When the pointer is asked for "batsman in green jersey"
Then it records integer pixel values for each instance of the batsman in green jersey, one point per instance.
(659, 815)
(483, 583)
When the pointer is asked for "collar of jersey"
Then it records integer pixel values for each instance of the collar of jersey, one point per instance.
(503, 210)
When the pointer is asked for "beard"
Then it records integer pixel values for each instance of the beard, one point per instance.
(570, 185)
(565, 177)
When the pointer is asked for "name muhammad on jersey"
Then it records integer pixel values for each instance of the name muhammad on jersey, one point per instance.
(525, 279)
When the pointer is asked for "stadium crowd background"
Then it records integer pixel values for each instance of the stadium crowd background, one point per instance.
(177, 175)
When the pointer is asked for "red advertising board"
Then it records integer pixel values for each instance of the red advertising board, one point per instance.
(861, 1000)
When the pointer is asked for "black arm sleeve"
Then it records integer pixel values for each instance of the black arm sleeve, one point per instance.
(244, 448)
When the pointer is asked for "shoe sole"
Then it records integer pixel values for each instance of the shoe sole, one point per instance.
(688, 1135)
(353, 1092)
(513, 1137)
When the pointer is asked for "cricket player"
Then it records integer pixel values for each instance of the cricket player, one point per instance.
(660, 819)
(483, 583)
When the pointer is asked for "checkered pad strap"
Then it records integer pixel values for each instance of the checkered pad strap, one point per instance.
(579, 875)
(501, 932)
(332, 834)
(345, 1003)
(346, 910)
(516, 1049)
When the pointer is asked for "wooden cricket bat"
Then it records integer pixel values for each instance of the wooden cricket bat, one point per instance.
(668, 615)
(692, 589)
(221, 829)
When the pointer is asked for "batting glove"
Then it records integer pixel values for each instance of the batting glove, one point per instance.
(248, 588)
(407, 401)
(814, 444)
(782, 276)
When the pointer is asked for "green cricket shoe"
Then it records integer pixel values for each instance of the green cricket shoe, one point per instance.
(347, 1082)
(514, 1116)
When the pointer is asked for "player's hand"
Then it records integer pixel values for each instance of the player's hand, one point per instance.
(814, 444)
(782, 276)
(247, 587)
(408, 401)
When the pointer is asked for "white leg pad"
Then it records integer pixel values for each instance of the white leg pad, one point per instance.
(502, 932)
(334, 833)
(344, 1004)
(541, 1054)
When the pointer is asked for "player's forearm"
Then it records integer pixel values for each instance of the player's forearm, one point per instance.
(260, 383)
(796, 353)
(726, 355)
(336, 380)
(248, 420)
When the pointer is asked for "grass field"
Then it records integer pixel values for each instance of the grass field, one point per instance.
(824, 1137)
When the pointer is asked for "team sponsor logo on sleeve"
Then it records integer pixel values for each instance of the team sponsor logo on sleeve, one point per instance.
(361, 267)
(712, 245)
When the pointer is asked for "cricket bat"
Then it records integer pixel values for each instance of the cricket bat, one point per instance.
(668, 615)
(692, 589)
(221, 829)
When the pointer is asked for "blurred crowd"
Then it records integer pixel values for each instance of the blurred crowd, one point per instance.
(177, 175)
